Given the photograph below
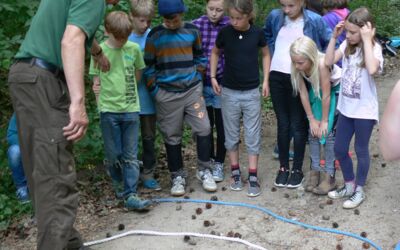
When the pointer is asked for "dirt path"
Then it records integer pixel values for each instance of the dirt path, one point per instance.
(379, 215)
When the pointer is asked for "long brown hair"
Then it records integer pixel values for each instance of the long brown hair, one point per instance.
(359, 17)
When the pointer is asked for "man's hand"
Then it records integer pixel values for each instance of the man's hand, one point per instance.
(78, 123)
(101, 62)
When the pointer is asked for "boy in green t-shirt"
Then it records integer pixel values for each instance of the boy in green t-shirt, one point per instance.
(119, 107)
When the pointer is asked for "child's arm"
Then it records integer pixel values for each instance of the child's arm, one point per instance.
(96, 87)
(305, 100)
(138, 75)
(150, 71)
(367, 35)
(215, 52)
(198, 56)
(389, 132)
(332, 56)
(324, 75)
(266, 60)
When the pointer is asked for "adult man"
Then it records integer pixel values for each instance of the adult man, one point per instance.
(47, 89)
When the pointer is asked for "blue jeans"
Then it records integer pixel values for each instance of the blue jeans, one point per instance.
(15, 164)
(315, 153)
(121, 137)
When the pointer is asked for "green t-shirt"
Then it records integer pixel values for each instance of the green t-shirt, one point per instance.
(44, 36)
(118, 86)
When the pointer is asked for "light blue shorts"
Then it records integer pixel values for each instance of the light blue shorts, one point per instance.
(211, 98)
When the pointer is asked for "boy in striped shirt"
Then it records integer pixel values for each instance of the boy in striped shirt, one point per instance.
(175, 61)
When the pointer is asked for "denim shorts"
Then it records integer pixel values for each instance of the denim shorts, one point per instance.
(238, 103)
(211, 98)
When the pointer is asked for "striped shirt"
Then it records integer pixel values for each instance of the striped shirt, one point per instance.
(209, 32)
(173, 58)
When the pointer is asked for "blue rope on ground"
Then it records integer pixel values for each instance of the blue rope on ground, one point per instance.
(298, 223)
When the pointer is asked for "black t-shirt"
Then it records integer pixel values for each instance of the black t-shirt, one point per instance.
(241, 70)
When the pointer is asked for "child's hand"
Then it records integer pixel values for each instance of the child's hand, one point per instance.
(323, 129)
(314, 127)
(338, 29)
(215, 86)
(367, 32)
(96, 87)
(265, 89)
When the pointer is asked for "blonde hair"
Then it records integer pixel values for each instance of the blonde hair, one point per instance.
(144, 8)
(118, 24)
(359, 17)
(245, 7)
(305, 47)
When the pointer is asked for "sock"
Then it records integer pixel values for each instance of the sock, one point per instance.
(235, 169)
(252, 174)
(360, 189)
(350, 186)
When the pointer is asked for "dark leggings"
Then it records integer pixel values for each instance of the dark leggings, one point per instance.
(362, 129)
(291, 119)
(215, 117)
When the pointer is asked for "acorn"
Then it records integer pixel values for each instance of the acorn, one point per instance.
(208, 205)
(335, 225)
(199, 211)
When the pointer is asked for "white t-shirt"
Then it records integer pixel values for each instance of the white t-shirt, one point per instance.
(290, 31)
(358, 97)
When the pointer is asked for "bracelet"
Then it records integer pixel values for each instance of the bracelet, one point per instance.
(97, 53)
(212, 77)
(309, 117)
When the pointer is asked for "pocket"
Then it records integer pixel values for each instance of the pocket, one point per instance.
(52, 152)
(58, 94)
(21, 77)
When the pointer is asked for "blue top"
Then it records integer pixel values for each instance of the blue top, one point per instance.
(174, 58)
(146, 101)
(314, 27)
(12, 132)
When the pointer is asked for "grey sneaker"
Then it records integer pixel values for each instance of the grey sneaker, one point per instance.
(178, 186)
(254, 187)
(134, 202)
(340, 193)
(207, 180)
(355, 200)
(236, 181)
(218, 171)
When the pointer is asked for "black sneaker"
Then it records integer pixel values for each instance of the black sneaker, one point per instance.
(296, 179)
(282, 177)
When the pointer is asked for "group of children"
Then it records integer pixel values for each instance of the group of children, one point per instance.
(206, 73)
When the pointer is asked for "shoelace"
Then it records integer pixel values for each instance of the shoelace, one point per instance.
(236, 177)
(253, 184)
(356, 196)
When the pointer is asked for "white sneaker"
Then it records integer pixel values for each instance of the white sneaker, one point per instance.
(178, 186)
(207, 180)
(340, 193)
(355, 200)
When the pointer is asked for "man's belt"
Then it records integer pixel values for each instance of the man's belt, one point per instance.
(41, 64)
